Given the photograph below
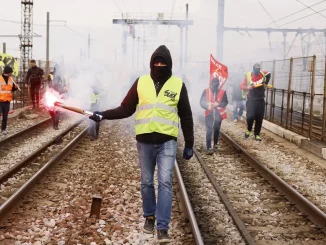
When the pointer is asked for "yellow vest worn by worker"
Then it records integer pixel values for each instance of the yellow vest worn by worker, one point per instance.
(6, 89)
(158, 113)
(250, 83)
(95, 98)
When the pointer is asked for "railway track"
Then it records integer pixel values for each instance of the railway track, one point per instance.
(265, 209)
(21, 176)
(74, 149)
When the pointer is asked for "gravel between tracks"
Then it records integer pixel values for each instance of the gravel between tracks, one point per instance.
(304, 175)
(57, 210)
(214, 222)
(20, 151)
(26, 119)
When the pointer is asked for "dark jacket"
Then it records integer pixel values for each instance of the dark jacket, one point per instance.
(128, 106)
(203, 100)
(256, 93)
(34, 75)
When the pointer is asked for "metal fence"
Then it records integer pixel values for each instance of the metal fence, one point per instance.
(297, 99)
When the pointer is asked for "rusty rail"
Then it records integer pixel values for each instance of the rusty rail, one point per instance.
(7, 206)
(24, 162)
(316, 215)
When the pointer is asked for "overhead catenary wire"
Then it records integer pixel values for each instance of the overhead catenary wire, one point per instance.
(267, 13)
(312, 9)
(287, 16)
(117, 6)
(291, 45)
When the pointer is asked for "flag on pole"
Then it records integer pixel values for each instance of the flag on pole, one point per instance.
(218, 70)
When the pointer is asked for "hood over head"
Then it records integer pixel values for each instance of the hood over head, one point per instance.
(215, 84)
(161, 73)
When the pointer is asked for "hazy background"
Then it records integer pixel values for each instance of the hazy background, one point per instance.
(69, 43)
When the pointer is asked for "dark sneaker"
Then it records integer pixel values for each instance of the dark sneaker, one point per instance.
(149, 225)
(257, 137)
(247, 134)
(215, 148)
(163, 236)
(209, 152)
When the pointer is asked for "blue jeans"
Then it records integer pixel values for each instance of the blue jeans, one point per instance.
(164, 156)
(213, 124)
(238, 105)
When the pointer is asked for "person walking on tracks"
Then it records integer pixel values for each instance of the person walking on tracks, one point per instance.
(7, 86)
(214, 100)
(159, 100)
(94, 127)
(34, 81)
(238, 99)
(253, 87)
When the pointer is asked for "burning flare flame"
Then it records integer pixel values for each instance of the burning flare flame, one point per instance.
(50, 99)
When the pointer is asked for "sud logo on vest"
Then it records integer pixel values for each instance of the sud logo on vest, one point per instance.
(170, 94)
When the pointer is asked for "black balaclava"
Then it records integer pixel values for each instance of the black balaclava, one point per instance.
(215, 83)
(161, 73)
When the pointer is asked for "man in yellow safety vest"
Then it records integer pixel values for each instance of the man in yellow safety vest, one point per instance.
(160, 101)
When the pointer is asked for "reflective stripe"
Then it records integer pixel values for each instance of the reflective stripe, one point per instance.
(165, 121)
(5, 92)
(159, 120)
(145, 107)
(157, 105)
(167, 107)
(143, 121)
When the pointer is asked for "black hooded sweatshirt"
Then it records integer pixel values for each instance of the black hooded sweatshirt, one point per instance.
(129, 103)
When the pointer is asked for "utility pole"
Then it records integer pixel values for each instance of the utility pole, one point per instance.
(47, 68)
(186, 45)
(220, 30)
(138, 54)
(4, 48)
(159, 21)
(89, 46)
(144, 44)
(181, 46)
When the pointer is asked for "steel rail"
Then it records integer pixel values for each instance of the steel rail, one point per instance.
(228, 205)
(33, 155)
(23, 131)
(6, 207)
(316, 215)
(190, 213)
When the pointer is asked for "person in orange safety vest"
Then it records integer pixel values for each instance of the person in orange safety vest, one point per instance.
(214, 100)
(7, 86)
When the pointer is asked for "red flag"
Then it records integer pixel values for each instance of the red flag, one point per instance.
(219, 70)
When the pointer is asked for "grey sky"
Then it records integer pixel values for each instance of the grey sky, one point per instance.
(95, 17)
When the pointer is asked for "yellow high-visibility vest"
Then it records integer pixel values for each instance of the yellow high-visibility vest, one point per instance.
(158, 113)
(250, 83)
(95, 98)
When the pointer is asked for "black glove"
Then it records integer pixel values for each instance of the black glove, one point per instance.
(96, 116)
(188, 153)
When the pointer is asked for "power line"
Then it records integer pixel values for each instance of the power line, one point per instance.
(291, 45)
(285, 17)
(117, 6)
(312, 9)
(267, 13)
(302, 18)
